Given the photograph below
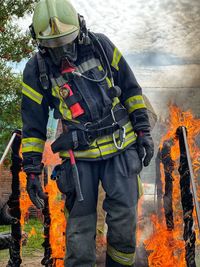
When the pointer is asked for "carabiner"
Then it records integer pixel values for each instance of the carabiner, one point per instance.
(122, 136)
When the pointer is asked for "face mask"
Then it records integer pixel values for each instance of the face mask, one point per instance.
(67, 51)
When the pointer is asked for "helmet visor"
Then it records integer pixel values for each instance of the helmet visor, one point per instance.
(59, 41)
(57, 33)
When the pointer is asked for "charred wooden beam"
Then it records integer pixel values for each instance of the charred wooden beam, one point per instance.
(47, 259)
(168, 164)
(187, 202)
(15, 247)
(158, 190)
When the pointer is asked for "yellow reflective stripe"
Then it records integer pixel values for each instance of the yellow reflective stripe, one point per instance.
(100, 67)
(115, 101)
(66, 213)
(32, 144)
(110, 148)
(108, 138)
(107, 79)
(134, 102)
(140, 187)
(126, 259)
(64, 110)
(116, 58)
(104, 146)
(31, 93)
(108, 82)
(96, 152)
(90, 153)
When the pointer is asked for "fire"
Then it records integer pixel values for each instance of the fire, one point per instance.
(32, 232)
(25, 202)
(167, 248)
(56, 207)
(58, 225)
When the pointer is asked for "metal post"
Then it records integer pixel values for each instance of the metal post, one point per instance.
(194, 190)
(186, 199)
(8, 147)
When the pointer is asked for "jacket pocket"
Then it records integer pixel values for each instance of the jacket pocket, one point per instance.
(64, 177)
(132, 161)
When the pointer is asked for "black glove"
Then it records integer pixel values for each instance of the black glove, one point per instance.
(35, 191)
(145, 146)
(5, 216)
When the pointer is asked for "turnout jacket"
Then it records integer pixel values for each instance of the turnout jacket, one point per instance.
(92, 97)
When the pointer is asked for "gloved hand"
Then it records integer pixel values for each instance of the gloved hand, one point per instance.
(5, 216)
(145, 147)
(35, 191)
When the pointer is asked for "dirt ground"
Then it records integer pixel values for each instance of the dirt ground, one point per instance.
(36, 261)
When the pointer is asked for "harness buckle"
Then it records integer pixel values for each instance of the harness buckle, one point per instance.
(44, 80)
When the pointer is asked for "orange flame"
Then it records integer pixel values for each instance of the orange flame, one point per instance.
(56, 207)
(25, 202)
(32, 232)
(167, 248)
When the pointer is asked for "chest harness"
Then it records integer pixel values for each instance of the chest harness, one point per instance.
(78, 135)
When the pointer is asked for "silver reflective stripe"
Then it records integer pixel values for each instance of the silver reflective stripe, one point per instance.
(88, 65)
(32, 144)
(110, 148)
(101, 150)
(60, 81)
(31, 93)
(126, 259)
(53, 82)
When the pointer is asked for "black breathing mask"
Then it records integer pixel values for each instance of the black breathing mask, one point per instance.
(67, 51)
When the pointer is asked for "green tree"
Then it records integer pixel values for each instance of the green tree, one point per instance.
(15, 45)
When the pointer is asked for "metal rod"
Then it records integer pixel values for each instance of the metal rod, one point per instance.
(192, 177)
(7, 148)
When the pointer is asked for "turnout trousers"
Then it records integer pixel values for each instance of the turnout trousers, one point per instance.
(119, 176)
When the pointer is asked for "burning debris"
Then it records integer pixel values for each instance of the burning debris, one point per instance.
(167, 248)
(14, 204)
(168, 165)
(189, 234)
(47, 260)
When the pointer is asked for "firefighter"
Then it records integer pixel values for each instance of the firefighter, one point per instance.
(106, 136)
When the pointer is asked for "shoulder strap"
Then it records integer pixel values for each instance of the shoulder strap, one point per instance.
(43, 77)
(99, 48)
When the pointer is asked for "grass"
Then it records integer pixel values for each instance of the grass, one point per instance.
(34, 242)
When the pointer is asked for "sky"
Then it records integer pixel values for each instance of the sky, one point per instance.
(138, 26)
